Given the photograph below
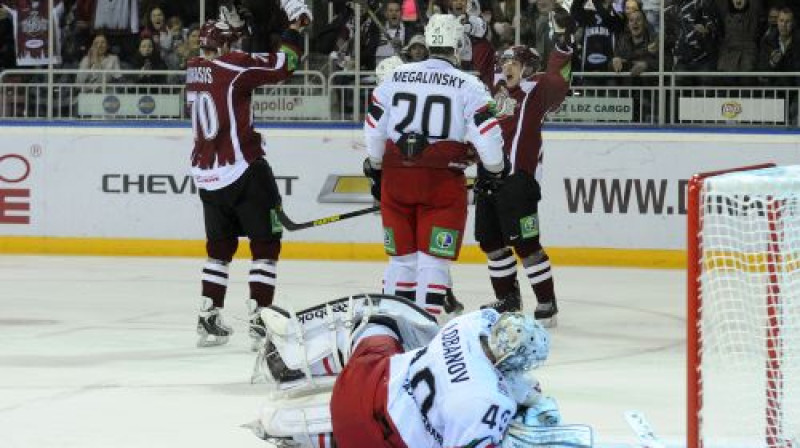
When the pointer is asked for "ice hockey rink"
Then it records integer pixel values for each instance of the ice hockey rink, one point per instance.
(100, 351)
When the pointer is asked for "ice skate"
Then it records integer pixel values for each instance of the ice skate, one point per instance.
(509, 302)
(546, 314)
(210, 326)
(452, 305)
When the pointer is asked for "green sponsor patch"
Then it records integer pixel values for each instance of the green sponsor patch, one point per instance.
(443, 242)
(277, 227)
(529, 226)
(389, 244)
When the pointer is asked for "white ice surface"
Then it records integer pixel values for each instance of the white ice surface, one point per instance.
(100, 352)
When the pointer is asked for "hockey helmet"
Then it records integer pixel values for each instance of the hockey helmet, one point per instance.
(518, 342)
(529, 59)
(215, 34)
(386, 67)
(444, 30)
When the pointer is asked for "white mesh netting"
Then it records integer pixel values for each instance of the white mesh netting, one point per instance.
(750, 309)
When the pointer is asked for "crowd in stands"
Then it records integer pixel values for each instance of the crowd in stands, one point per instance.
(619, 36)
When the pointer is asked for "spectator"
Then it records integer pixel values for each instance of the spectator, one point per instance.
(770, 29)
(416, 50)
(636, 51)
(781, 52)
(695, 34)
(145, 60)
(738, 51)
(600, 23)
(186, 50)
(632, 6)
(156, 25)
(536, 29)
(117, 20)
(98, 58)
(395, 33)
(475, 32)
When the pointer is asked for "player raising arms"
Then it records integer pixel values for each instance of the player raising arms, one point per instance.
(506, 214)
(236, 183)
(418, 126)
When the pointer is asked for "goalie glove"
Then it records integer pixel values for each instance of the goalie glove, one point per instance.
(543, 413)
(297, 11)
(374, 174)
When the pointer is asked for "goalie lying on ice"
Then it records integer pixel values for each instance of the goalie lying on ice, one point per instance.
(377, 371)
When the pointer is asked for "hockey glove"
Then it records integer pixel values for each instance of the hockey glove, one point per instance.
(489, 183)
(374, 176)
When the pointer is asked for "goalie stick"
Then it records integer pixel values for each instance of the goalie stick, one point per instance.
(644, 432)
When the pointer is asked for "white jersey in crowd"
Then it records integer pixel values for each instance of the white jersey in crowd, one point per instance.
(448, 393)
(433, 98)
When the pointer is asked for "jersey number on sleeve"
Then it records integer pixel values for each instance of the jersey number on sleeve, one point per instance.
(490, 418)
(204, 115)
(444, 109)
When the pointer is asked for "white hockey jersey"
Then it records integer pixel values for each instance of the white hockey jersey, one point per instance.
(438, 100)
(448, 394)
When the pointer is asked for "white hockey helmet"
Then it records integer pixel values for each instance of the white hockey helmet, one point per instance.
(518, 342)
(386, 67)
(444, 30)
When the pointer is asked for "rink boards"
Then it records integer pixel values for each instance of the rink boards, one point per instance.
(611, 197)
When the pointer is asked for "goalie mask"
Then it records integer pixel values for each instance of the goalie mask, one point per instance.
(518, 342)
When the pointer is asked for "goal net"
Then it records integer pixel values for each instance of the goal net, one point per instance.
(744, 308)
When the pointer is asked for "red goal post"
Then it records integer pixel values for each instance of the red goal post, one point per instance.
(743, 312)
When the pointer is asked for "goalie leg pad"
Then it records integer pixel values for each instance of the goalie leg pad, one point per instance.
(523, 436)
(314, 334)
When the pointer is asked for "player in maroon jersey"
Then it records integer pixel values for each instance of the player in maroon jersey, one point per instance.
(507, 218)
(236, 183)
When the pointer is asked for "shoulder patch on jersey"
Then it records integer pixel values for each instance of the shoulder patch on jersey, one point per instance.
(485, 113)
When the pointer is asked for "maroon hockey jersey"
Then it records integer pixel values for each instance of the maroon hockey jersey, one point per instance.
(526, 107)
(219, 93)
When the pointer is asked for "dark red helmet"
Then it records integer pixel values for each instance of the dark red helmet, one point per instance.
(214, 35)
(528, 57)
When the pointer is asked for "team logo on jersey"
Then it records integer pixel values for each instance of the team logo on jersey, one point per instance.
(504, 103)
(389, 244)
(529, 226)
(277, 227)
(443, 242)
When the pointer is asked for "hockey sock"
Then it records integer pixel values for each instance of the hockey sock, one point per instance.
(503, 272)
(262, 281)
(215, 281)
(433, 280)
(537, 268)
(400, 276)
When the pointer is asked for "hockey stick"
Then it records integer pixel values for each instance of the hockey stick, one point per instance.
(292, 226)
(644, 432)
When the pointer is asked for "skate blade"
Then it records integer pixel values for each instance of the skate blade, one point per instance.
(211, 341)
